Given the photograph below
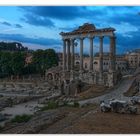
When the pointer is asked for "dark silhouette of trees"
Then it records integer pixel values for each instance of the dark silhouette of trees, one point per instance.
(12, 46)
(44, 59)
(13, 62)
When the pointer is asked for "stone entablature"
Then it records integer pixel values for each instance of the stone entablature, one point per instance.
(88, 30)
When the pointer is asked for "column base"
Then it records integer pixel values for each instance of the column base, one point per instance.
(111, 79)
(72, 76)
(91, 78)
(101, 79)
(95, 78)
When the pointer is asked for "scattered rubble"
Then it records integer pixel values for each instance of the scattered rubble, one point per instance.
(2, 117)
(118, 106)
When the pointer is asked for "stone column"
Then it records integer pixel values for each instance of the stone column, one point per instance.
(64, 55)
(112, 54)
(72, 54)
(68, 55)
(101, 56)
(139, 86)
(91, 54)
(112, 74)
(81, 54)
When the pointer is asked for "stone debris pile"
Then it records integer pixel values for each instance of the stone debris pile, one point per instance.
(135, 100)
(118, 106)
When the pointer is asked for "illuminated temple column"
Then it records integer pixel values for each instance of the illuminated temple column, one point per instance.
(72, 54)
(91, 54)
(64, 54)
(81, 54)
(68, 55)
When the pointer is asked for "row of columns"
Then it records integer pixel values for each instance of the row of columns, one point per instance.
(68, 57)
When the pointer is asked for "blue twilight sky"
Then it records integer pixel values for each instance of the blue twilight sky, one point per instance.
(39, 27)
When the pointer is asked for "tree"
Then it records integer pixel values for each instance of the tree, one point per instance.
(17, 62)
(12, 46)
(44, 59)
(5, 66)
(52, 59)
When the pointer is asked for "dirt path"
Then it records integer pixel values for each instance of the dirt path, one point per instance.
(117, 93)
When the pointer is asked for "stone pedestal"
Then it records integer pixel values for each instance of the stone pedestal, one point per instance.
(139, 86)
(72, 76)
(95, 78)
(81, 75)
(91, 77)
(101, 79)
(111, 78)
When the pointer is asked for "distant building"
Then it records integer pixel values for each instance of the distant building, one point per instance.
(28, 58)
(121, 63)
(60, 58)
(133, 58)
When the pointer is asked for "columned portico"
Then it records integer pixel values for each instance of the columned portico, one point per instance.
(91, 54)
(89, 31)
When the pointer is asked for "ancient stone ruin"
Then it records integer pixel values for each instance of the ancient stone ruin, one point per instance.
(69, 73)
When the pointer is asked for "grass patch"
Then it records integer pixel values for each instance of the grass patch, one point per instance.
(54, 105)
(21, 118)
(76, 104)
(50, 105)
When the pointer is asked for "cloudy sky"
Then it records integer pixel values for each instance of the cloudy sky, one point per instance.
(39, 27)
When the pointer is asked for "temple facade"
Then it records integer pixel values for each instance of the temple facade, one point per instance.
(89, 31)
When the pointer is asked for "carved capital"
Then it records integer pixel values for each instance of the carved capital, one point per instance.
(101, 37)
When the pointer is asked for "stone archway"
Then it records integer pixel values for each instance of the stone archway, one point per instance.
(50, 76)
(56, 76)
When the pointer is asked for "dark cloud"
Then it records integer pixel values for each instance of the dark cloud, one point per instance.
(132, 19)
(119, 14)
(37, 20)
(102, 15)
(6, 23)
(56, 12)
(44, 15)
(9, 24)
(24, 39)
(126, 43)
(18, 26)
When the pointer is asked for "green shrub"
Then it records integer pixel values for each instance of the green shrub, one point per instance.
(76, 104)
(50, 105)
(1, 96)
(1, 128)
(21, 118)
